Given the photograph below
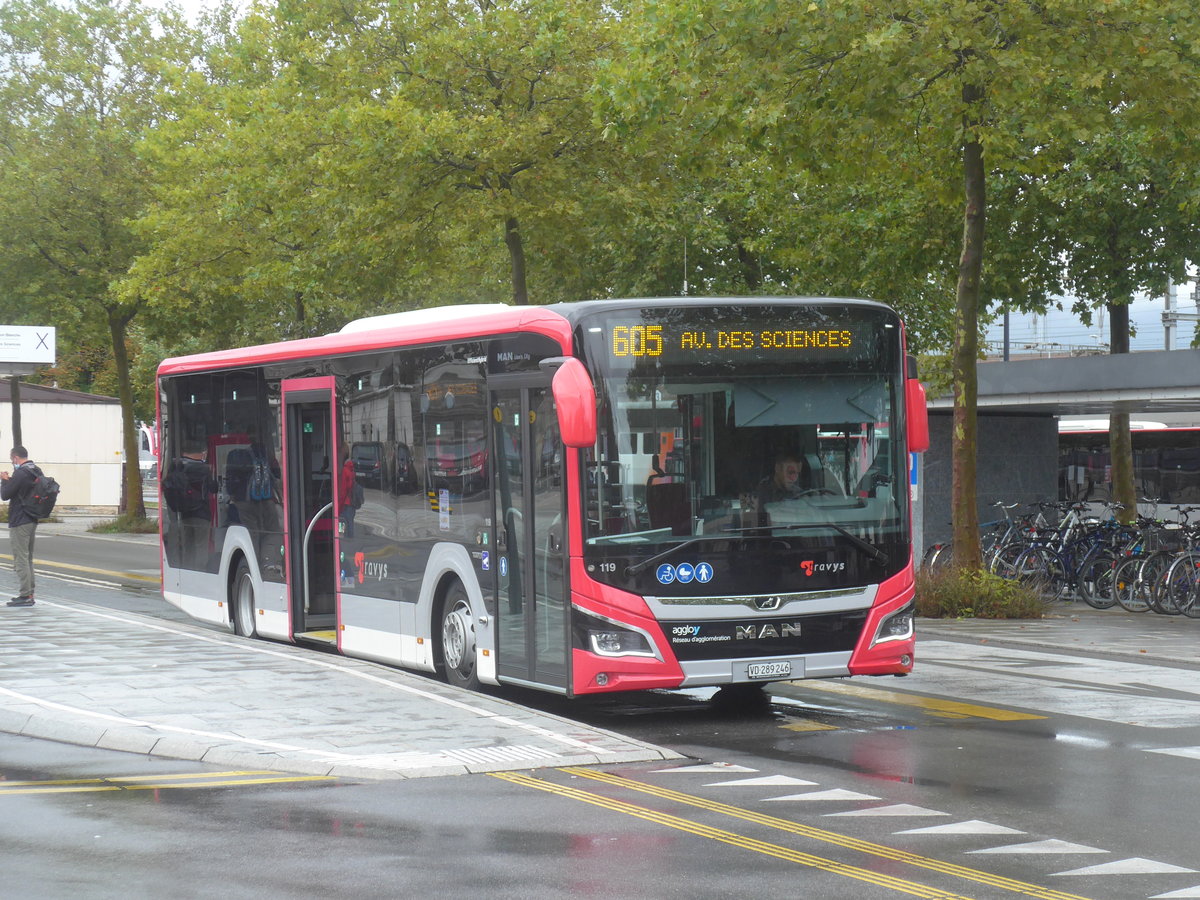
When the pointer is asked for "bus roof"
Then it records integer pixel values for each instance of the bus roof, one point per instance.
(385, 332)
(454, 323)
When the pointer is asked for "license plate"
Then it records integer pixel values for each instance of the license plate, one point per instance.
(769, 670)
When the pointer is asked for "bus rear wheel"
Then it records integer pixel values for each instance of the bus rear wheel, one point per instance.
(458, 639)
(243, 601)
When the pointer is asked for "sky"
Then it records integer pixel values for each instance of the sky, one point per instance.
(1064, 329)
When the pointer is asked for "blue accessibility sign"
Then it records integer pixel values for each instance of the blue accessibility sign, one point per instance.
(684, 572)
(666, 573)
(704, 572)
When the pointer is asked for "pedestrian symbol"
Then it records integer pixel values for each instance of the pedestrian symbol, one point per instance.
(704, 573)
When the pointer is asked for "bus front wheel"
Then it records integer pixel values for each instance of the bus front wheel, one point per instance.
(243, 601)
(458, 639)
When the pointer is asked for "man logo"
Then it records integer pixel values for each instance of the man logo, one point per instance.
(767, 603)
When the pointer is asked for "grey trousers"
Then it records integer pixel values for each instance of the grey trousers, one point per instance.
(21, 539)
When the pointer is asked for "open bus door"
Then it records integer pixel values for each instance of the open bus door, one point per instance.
(532, 608)
(310, 476)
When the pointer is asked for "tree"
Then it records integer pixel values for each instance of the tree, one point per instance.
(951, 99)
(341, 156)
(1126, 205)
(79, 87)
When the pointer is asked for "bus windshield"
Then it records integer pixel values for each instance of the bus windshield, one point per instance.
(746, 422)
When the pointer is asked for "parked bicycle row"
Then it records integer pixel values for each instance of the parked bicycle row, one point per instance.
(1063, 551)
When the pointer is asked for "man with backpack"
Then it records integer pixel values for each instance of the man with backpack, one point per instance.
(22, 523)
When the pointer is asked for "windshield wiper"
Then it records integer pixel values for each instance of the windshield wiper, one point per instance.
(638, 568)
(861, 543)
(866, 546)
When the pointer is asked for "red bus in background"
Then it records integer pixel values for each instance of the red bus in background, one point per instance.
(566, 497)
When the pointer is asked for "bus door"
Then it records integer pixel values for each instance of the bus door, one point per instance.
(310, 470)
(532, 627)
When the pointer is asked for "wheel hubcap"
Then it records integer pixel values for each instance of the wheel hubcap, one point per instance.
(245, 605)
(456, 640)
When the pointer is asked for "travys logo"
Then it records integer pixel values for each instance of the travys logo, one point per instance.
(367, 569)
(811, 567)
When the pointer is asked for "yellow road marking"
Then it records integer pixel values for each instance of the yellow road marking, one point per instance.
(150, 579)
(154, 782)
(809, 726)
(787, 854)
(882, 851)
(933, 706)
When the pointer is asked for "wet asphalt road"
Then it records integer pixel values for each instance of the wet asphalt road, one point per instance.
(992, 772)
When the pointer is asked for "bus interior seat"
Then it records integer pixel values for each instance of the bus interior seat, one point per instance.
(668, 507)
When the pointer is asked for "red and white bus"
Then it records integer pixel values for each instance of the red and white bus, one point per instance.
(564, 497)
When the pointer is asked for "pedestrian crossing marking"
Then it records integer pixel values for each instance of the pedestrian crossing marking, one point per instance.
(763, 781)
(972, 826)
(1134, 866)
(1185, 752)
(1186, 894)
(896, 809)
(1051, 846)
(836, 794)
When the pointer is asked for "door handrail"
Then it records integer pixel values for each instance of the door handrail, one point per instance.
(304, 551)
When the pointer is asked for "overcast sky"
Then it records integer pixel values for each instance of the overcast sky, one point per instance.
(1064, 328)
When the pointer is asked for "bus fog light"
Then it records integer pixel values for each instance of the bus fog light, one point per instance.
(602, 679)
(896, 627)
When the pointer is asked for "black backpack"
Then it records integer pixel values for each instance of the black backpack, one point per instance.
(42, 494)
(187, 487)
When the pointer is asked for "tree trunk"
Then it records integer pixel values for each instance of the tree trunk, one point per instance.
(516, 253)
(14, 392)
(751, 268)
(132, 504)
(1120, 441)
(964, 507)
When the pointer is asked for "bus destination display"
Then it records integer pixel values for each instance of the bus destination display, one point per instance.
(654, 340)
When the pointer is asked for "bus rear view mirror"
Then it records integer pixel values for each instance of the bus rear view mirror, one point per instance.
(575, 397)
(918, 416)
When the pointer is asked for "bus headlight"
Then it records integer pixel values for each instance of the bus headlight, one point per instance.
(605, 637)
(896, 627)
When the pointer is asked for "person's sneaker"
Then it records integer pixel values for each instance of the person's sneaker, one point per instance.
(21, 601)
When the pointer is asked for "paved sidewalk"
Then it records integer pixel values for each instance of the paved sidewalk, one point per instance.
(1077, 628)
(81, 674)
(76, 672)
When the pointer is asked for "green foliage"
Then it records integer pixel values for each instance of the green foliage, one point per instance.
(127, 524)
(964, 593)
(80, 88)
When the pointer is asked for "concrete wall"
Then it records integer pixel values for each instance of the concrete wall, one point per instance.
(1017, 463)
(78, 443)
